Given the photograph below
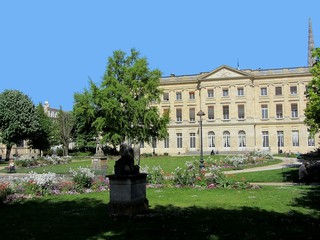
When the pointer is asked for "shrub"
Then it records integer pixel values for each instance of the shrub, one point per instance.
(82, 177)
(4, 191)
(155, 175)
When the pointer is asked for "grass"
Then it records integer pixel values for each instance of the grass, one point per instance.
(277, 175)
(185, 213)
(167, 163)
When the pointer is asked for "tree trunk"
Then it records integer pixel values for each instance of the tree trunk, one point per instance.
(65, 150)
(9, 147)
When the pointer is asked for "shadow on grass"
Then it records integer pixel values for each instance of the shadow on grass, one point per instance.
(290, 175)
(310, 199)
(87, 218)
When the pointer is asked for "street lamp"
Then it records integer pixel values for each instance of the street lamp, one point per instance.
(201, 114)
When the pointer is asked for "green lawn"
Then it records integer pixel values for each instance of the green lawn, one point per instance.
(167, 163)
(185, 213)
(277, 175)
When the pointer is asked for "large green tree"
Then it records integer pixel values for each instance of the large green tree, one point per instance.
(18, 118)
(123, 105)
(44, 137)
(312, 111)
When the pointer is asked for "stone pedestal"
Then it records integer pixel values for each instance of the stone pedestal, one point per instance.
(128, 194)
(99, 165)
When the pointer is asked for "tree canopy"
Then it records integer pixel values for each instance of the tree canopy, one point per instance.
(122, 106)
(44, 137)
(18, 118)
(312, 111)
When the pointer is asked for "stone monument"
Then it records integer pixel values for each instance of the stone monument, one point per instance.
(127, 186)
(99, 160)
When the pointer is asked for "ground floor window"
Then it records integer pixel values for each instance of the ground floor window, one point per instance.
(311, 142)
(192, 140)
(166, 142)
(226, 139)
(295, 138)
(265, 139)
(280, 137)
(211, 139)
(179, 140)
(242, 139)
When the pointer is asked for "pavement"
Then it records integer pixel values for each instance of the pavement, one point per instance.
(286, 162)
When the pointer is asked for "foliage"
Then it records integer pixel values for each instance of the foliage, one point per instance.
(121, 107)
(4, 191)
(82, 177)
(42, 139)
(18, 118)
(155, 174)
(40, 162)
(312, 111)
(46, 184)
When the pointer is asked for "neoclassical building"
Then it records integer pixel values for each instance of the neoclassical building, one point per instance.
(245, 110)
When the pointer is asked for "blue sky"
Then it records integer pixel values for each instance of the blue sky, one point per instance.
(49, 49)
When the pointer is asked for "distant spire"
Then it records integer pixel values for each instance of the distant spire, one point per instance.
(311, 60)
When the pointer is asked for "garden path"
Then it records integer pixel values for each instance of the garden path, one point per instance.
(286, 162)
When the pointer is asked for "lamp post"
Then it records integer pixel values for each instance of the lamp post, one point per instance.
(201, 114)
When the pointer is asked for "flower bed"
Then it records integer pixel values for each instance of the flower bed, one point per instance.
(83, 180)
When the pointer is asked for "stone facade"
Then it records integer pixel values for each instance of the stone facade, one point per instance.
(245, 110)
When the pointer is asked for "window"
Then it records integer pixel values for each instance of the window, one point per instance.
(178, 95)
(226, 139)
(192, 95)
(240, 91)
(192, 140)
(165, 112)
(225, 92)
(280, 138)
(240, 111)
(264, 91)
(210, 93)
(211, 139)
(279, 113)
(293, 90)
(141, 144)
(265, 139)
(210, 112)
(264, 111)
(166, 142)
(242, 139)
(278, 91)
(192, 115)
(294, 110)
(154, 142)
(179, 114)
(310, 140)
(226, 112)
(179, 140)
(165, 96)
(295, 138)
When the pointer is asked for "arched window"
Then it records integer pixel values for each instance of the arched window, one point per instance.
(226, 139)
(242, 139)
(211, 139)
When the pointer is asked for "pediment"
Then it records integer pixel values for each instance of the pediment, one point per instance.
(225, 72)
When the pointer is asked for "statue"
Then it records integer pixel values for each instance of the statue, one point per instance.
(125, 164)
(99, 151)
